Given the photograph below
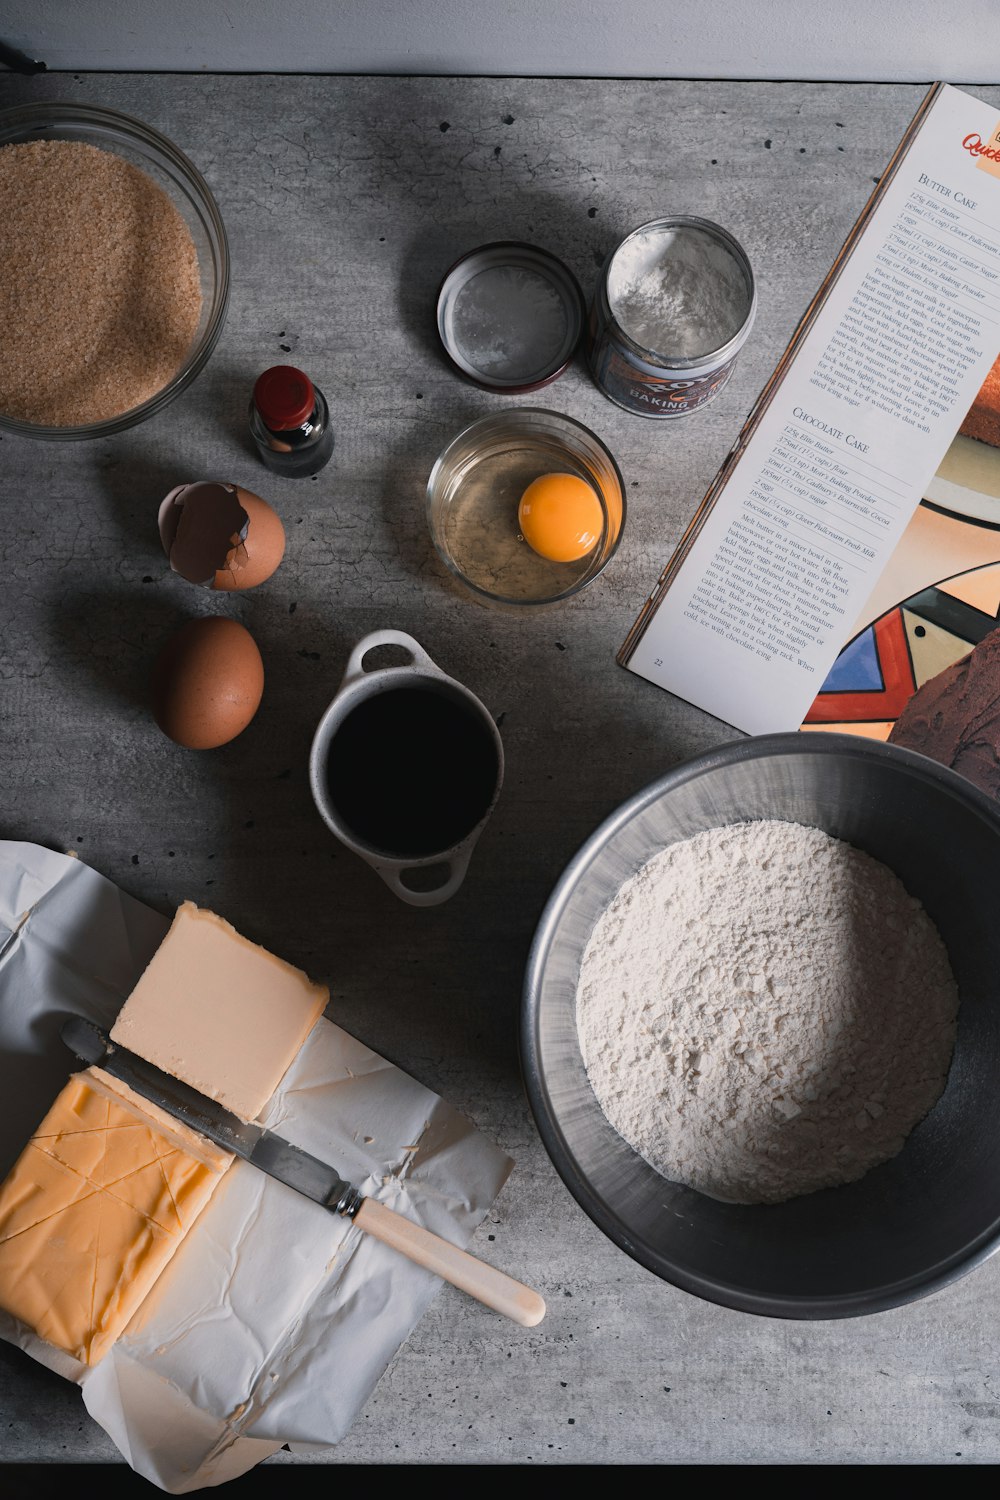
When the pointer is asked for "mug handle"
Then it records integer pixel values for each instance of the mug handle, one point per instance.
(385, 638)
(458, 864)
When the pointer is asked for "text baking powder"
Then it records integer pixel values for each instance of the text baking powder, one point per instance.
(764, 1011)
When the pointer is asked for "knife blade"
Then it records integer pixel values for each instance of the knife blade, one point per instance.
(305, 1173)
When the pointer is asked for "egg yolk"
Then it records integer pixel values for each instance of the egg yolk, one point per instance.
(560, 517)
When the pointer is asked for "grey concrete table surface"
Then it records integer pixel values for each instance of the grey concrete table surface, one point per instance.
(345, 199)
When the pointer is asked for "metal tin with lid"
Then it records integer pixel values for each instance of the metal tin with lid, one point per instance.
(674, 305)
(510, 316)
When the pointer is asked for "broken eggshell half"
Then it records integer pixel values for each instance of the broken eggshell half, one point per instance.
(220, 536)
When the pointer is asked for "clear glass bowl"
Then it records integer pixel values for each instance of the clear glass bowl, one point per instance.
(472, 501)
(170, 169)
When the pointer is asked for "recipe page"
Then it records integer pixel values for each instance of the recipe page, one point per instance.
(751, 623)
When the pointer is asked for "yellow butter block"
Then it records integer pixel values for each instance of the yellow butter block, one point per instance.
(219, 1012)
(94, 1208)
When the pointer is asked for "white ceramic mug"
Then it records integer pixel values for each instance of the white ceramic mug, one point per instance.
(359, 684)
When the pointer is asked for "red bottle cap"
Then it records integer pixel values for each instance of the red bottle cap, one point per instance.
(285, 398)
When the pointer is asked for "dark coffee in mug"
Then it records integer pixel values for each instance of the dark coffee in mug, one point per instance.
(412, 770)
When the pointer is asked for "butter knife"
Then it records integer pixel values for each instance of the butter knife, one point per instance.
(308, 1175)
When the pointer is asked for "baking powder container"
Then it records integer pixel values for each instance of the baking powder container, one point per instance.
(674, 306)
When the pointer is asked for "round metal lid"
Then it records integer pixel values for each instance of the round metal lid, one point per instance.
(510, 316)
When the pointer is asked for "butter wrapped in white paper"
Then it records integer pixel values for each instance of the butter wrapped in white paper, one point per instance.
(274, 1321)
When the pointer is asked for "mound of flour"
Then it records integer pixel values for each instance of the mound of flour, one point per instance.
(764, 1011)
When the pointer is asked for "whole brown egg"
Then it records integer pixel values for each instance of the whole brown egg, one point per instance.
(207, 683)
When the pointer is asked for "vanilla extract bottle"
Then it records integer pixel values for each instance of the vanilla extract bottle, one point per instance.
(290, 422)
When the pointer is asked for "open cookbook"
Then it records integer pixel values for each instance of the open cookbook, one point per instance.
(845, 561)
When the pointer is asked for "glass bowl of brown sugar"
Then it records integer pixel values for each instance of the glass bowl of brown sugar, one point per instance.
(116, 271)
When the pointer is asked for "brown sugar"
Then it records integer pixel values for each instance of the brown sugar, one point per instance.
(100, 297)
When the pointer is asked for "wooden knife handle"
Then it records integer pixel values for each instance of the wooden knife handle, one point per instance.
(485, 1282)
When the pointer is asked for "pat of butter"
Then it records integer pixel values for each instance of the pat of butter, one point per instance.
(94, 1208)
(219, 1012)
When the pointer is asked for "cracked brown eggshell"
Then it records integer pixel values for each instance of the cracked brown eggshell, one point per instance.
(207, 683)
(220, 536)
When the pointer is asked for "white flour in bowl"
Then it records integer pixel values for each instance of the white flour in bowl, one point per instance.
(764, 1011)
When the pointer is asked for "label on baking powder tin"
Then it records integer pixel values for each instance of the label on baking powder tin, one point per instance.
(631, 386)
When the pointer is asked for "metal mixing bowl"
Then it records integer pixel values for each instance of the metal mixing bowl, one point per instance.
(909, 1226)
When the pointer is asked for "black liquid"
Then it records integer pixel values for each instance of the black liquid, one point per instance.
(411, 771)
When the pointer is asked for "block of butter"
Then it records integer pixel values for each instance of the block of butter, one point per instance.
(94, 1208)
(219, 1012)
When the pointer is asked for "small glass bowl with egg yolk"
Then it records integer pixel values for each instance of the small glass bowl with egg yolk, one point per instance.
(526, 507)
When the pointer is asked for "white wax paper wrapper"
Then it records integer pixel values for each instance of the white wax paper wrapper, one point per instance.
(274, 1319)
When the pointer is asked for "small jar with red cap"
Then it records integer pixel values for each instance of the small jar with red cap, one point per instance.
(290, 422)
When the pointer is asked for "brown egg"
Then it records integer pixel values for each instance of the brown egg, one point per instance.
(207, 683)
(220, 536)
